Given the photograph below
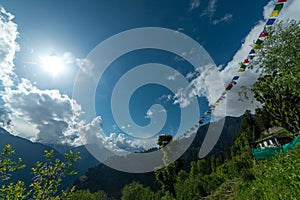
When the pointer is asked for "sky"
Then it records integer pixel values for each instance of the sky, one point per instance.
(50, 87)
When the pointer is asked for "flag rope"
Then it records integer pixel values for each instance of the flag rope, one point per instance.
(243, 65)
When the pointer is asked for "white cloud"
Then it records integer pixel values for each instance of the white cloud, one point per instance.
(291, 10)
(235, 107)
(201, 86)
(194, 4)
(149, 114)
(53, 114)
(118, 143)
(53, 118)
(224, 19)
(173, 76)
(84, 64)
(211, 8)
(207, 84)
(8, 47)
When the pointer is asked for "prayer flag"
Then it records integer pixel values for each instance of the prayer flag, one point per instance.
(274, 13)
(243, 66)
(263, 34)
(252, 51)
(270, 21)
(241, 70)
(229, 86)
(257, 46)
(278, 6)
(236, 78)
(281, 1)
(246, 61)
(259, 42)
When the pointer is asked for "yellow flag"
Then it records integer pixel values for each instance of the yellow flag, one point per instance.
(241, 70)
(257, 46)
(274, 13)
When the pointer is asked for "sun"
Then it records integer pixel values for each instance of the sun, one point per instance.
(53, 65)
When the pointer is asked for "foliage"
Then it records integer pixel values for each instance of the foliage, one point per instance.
(277, 178)
(82, 195)
(163, 140)
(277, 88)
(87, 195)
(7, 165)
(48, 177)
(166, 177)
(137, 191)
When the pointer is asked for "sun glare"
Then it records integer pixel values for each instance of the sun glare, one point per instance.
(52, 64)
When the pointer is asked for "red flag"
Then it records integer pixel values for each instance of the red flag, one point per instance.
(246, 61)
(263, 34)
(281, 1)
(229, 86)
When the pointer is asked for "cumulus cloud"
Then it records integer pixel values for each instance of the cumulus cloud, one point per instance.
(118, 143)
(53, 114)
(291, 10)
(8, 47)
(194, 4)
(207, 84)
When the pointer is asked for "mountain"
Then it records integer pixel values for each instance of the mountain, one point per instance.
(112, 181)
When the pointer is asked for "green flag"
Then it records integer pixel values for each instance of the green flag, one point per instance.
(278, 6)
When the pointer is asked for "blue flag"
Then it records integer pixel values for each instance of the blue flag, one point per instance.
(270, 21)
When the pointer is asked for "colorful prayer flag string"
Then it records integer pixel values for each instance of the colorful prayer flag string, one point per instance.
(257, 45)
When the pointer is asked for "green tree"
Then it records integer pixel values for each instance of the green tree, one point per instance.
(164, 140)
(277, 88)
(101, 195)
(82, 195)
(136, 191)
(166, 177)
(47, 179)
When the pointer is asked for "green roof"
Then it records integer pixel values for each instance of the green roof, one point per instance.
(259, 153)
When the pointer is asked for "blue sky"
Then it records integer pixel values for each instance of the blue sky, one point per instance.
(70, 30)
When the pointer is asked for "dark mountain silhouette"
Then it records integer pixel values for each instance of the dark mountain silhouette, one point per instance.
(112, 181)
